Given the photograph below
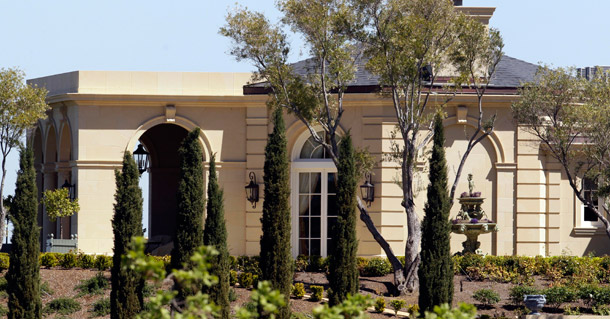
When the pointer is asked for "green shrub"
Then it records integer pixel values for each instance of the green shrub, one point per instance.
(103, 262)
(301, 263)
(101, 308)
(232, 295)
(377, 267)
(487, 297)
(558, 295)
(64, 306)
(298, 290)
(69, 260)
(45, 289)
(233, 262)
(232, 277)
(86, 261)
(3, 310)
(4, 261)
(593, 294)
(94, 285)
(361, 263)
(601, 310)
(569, 311)
(413, 310)
(248, 264)
(463, 311)
(397, 304)
(254, 281)
(316, 293)
(245, 280)
(3, 284)
(148, 290)
(379, 304)
(517, 293)
(317, 264)
(48, 260)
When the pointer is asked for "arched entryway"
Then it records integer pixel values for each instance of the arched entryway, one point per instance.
(162, 142)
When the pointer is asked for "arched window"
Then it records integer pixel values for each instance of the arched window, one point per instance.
(314, 177)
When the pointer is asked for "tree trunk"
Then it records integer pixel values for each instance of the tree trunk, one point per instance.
(413, 225)
(2, 208)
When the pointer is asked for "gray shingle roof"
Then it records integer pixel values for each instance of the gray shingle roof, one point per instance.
(510, 73)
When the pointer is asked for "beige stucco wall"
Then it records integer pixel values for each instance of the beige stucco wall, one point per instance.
(105, 113)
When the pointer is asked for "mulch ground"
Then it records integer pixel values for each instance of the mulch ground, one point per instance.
(63, 282)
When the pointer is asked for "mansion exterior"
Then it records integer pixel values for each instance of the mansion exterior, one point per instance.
(96, 116)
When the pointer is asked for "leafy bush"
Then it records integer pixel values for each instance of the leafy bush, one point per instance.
(298, 290)
(352, 307)
(301, 263)
(413, 310)
(316, 293)
(103, 262)
(602, 310)
(569, 311)
(4, 261)
(64, 306)
(377, 267)
(463, 311)
(48, 260)
(246, 280)
(94, 285)
(317, 264)
(487, 297)
(232, 277)
(361, 263)
(45, 289)
(101, 308)
(397, 304)
(558, 295)
(233, 262)
(3, 311)
(86, 261)
(3, 284)
(517, 293)
(248, 264)
(379, 304)
(254, 281)
(69, 260)
(232, 294)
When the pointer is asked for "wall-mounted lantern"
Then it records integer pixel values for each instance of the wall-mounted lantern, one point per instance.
(367, 190)
(252, 190)
(141, 157)
(71, 189)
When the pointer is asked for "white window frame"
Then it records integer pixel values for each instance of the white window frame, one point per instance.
(298, 165)
(584, 223)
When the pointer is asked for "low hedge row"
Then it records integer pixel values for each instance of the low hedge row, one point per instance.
(516, 269)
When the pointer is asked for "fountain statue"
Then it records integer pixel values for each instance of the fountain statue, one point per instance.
(472, 220)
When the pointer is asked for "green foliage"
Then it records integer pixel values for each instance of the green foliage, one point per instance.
(232, 294)
(215, 235)
(571, 311)
(413, 310)
(4, 261)
(342, 266)
(189, 217)
(23, 275)
(354, 306)
(3, 310)
(103, 262)
(397, 304)
(436, 267)
(64, 306)
(380, 304)
(245, 280)
(559, 294)
(100, 308)
(298, 290)
(265, 302)
(57, 203)
(45, 289)
(232, 277)
(68, 260)
(463, 311)
(377, 266)
(86, 261)
(248, 264)
(317, 293)
(518, 292)
(126, 298)
(94, 285)
(276, 257)
(601, 310)
(487, 297)
(48, 260)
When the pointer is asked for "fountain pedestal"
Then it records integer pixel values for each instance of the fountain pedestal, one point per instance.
(472, 222)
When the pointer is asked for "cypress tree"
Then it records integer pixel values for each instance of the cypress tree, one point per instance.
(436, 268)
(189, 218)
(215, 234)
(275, 257)
(342, 268)
(126, 296)
(23, 276)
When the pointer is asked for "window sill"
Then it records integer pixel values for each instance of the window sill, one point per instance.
(588, 231)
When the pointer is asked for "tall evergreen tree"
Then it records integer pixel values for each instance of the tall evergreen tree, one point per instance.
(23, 273)
(275, 257)
(436, 268)
(215, 234)
(126, 297)
(342, 268)
(189, 218)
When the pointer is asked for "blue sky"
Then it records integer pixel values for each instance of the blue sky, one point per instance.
(50, 37)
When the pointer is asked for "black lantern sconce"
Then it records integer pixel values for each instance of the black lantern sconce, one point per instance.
(71, 189)
(141, 157)
(252, 190)
(367, 190)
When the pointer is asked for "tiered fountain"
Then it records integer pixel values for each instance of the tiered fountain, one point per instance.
(472, 220)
